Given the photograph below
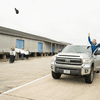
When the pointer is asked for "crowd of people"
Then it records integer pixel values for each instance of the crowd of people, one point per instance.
(15, 51)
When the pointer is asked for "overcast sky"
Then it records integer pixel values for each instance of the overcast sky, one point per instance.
(61, 20)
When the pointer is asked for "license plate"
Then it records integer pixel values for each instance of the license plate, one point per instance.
(67, 71)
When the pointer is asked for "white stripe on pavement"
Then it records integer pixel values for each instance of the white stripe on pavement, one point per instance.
(25, 84)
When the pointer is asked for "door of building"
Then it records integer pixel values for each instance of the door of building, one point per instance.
(20, 44)
(61, 47)
(53, 48)
(40, 47)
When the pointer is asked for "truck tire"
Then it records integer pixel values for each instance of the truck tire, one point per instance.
(56, 75)
(89, 78)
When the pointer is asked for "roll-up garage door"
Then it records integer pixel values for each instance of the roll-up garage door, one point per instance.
(40, 47)
(61, 47)
(53, 48)
(20, 44)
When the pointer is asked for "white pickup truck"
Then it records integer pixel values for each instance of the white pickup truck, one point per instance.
(76, 60)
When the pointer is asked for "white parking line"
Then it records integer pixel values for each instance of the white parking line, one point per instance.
(25, 84)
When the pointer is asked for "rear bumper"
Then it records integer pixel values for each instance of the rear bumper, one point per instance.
(74, 70)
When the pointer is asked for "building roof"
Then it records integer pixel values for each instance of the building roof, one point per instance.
(65, 43)
(12, 32)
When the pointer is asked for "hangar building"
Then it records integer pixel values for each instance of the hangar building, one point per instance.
(37, 45)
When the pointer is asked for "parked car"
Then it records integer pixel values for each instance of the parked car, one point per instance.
(76, 60)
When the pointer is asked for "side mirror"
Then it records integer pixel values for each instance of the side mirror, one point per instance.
(59, 50)
(97, 52)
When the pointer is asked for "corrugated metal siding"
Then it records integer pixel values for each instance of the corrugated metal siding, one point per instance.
(12, 32)
(46, 47)
(8, 39)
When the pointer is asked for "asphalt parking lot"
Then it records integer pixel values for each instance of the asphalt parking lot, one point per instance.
(22, 71)
(45, 88)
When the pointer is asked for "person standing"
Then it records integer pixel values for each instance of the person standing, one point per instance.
(22, 53)
(14, 54)
(27, 53)
(93, 43)
(11, 56)
(17, 52)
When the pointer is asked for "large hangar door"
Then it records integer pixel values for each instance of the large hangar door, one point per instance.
(40, 47)
(20, 43)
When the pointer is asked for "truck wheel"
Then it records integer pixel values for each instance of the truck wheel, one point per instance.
(89, 78)
(56, 75)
